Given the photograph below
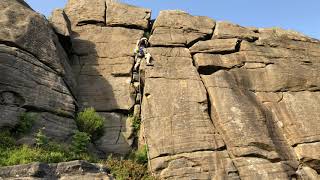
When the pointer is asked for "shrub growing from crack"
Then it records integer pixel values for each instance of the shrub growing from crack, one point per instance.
(141, 155)
(136, 124)
(90, 122)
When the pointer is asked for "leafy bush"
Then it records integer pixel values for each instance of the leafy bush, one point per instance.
(127, 169)
(41, 139)
(25, 124)
(80, 141)
(6, 140)
(90, 122)
(141, 156)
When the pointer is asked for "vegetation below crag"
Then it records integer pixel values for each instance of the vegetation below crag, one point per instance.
(90, 124)
(44, 149)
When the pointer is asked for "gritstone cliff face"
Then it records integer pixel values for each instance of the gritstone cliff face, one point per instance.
(221, 101)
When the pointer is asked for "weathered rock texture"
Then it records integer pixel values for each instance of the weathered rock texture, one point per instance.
(221, 101)
(35, 72)
(103, 37)
(250, 111)
(72, 170)
(178, 28)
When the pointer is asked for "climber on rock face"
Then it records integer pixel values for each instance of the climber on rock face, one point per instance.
(141, 53)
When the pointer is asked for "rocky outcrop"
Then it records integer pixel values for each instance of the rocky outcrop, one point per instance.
(226, 30)
(35, 72)
(102, 60)
(251, 109)
(175, 100)
(118, 14)
(221, 101)
(60, 22)
(178, 28)
(63, 171)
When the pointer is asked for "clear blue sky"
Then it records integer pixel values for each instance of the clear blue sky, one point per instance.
(299, 15)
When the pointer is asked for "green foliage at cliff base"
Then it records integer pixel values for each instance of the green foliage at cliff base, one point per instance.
(128, 169)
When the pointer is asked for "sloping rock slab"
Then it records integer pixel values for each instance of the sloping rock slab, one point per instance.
(81, 12)
(177, 28)
(119, 14)
(226, 30)
(33, 84)
(29, 31)
(215, 46)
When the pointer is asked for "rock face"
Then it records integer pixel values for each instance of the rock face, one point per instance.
(35, 74)
(60, 22)
(118, 14)
(103, 59)
(252, 114)
(118, 137)
(178, 28)
(221, 101)
(103, 37)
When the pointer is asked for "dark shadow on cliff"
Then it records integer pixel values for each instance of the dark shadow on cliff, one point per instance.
(94, 90)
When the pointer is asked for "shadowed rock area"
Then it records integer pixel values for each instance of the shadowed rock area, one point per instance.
(221, 101)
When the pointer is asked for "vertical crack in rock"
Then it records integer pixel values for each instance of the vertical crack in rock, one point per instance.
(235, 172)
(175, 106)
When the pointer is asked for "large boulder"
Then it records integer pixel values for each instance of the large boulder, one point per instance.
(215, 46)
(86, 12)
(35, 74)
(178, 28)
(30, 31)
(33, 84)
(119, 14)
(226, 30)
